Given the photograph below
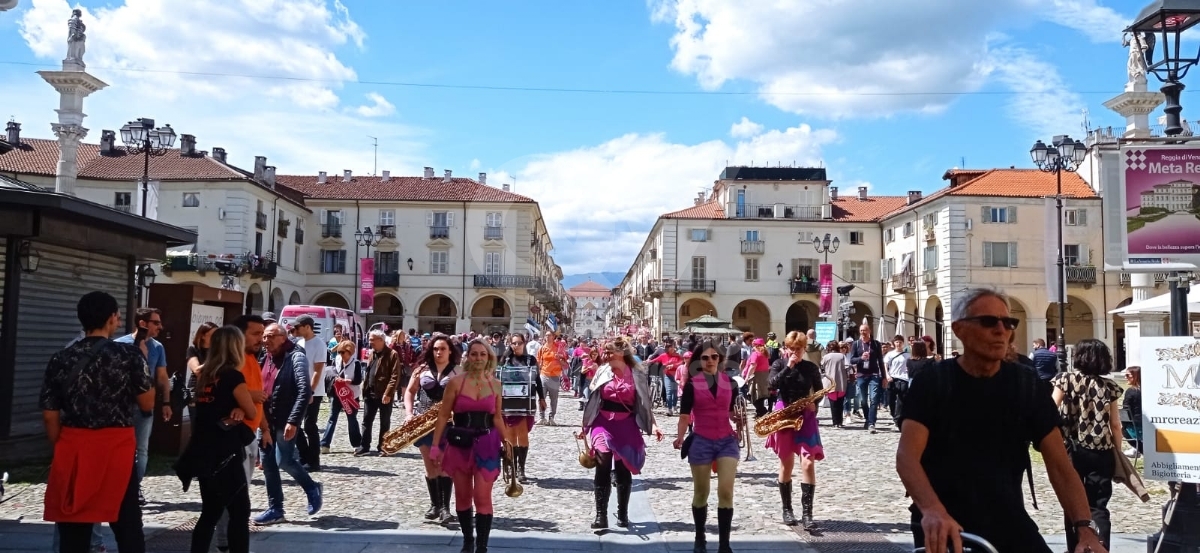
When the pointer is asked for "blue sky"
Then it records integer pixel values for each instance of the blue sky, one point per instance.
(602, 165)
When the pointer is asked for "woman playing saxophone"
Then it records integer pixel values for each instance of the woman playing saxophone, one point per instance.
(797, 378)
(426, 387)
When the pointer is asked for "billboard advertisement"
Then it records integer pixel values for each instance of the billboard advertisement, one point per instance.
(1160, 207)
(1171, 408)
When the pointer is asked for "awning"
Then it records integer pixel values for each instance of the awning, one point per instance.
(1160, 304)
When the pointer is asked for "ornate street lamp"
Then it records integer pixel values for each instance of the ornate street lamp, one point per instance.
(1164, 21)
(28, 257)
(826, 245)
(1065, 155)
(140, 137)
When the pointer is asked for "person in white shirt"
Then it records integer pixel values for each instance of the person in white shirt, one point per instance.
(533, 346)
(308, 442)
(896, 363)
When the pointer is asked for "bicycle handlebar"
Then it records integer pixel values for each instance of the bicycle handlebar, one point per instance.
(971, 542)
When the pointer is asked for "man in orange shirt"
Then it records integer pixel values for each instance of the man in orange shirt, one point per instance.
(551, 360)
(252, 327)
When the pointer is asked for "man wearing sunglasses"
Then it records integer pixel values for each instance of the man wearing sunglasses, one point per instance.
(149, 325)
(964, 447)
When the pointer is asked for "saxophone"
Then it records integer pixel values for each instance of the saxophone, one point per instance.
(791, 416)
(406, 434)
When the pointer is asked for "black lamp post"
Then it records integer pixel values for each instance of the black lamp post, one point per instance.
(826, 245)
(365, 237)
(140, 137)
(1065, 155)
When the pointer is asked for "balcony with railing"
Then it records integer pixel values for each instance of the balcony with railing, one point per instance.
(331, 230)
(387, 278)
(930, 234)
(281, 228)
(493, 233)
(386, 231)
(525, 282)
(778, 211)
(122, 207)
(1159, 278)
(804, 286)
(260, 220)
(753, 246)
(299, 235)
(929, 278)
(262, 266)
(904, 282)
(439, 232)
(1081, 275)
(682, 286)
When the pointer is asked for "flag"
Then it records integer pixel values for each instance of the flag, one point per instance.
(825, 287)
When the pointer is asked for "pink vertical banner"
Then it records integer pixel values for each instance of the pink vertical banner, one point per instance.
(825, 282)
(366, 297)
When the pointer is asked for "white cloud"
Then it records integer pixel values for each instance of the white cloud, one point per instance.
(600, 201)
(1042, 101)
(475, 164)
(378, 107)
(836, 59)
(745, 129)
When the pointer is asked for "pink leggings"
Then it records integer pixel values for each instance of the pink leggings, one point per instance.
(473, 487)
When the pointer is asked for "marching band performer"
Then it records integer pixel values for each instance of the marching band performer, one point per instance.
(707, 405)
(425, 387)
(469, 449)
(797, 378)
(518, 425)
(617, 412)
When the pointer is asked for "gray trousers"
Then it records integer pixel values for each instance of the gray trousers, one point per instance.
(552, 385)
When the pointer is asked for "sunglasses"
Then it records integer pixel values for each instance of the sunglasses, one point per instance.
(710, 357)
(989, 321)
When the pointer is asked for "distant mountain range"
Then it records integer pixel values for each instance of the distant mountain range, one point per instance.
(609, 279)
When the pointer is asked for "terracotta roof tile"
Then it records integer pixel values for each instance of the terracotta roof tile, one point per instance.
(709, 210)
(169, 166)
(415, 189)
(873, 208)
(1023, 183)
(589, 288)
(38, 156)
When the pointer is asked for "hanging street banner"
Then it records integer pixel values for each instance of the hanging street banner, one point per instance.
(825, 287)
(1171, 408)
(366, 295)
(1155, 218)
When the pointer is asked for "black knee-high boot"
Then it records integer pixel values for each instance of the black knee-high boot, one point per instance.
(522, 453)
(806, 505)
(724, 526)
(699, 517)
(623, 491)
(465, 523)
(603, 491)
(446, 487)
(435, 499)
(785, 496)
(483, 529)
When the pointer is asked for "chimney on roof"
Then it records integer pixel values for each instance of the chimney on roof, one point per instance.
(347, 176)
(387, 176)
(218, 154)
(833, 193)
(482, 178)
(321, 176)
(13, 132)
(260, 165)
(504, 187)
(187, 145)
(914, 196)
(429, 172)
(108, 143)
(269, 176)
(447, 177)
(862, 193)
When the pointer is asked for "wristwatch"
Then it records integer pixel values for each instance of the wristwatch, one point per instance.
(1089, 524)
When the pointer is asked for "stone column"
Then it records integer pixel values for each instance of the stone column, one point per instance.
(1142, 285)
(1135, 105)
(1138, 326)
(73, 85)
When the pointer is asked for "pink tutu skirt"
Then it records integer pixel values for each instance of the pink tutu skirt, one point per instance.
(806, 441)
(482, 458)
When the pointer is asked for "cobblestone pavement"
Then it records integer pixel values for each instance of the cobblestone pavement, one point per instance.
(856, 483)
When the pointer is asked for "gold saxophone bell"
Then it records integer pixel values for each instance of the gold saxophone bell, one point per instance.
(408, 433)
(512, 488)
(587, 459)
(791, 416)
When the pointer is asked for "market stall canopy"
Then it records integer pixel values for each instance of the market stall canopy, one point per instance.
(1160, 304)
(709, 321)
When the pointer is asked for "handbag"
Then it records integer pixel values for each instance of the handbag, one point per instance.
(461, 437)
(244, 435)
(687, 444)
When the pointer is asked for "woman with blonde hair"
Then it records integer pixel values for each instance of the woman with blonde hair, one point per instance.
(797, 378)
(618, 411)
(216, 450)
(347, 368)
(469, 449)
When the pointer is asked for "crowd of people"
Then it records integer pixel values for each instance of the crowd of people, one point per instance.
(253, 390)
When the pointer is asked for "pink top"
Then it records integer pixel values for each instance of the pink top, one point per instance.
(589, 366)
(710, 413)
(758, 362)
(621, 390)
(466, 404)
(670, 361)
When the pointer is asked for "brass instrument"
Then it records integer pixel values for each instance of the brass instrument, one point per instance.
(408, 433)
(512, 488)
(587, 458)
(791, 416)
(741, 415)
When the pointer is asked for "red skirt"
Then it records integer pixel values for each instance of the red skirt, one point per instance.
(89, 474)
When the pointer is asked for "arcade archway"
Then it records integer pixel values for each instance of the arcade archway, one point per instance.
(801, 316)
(752, 315)
(693, 308)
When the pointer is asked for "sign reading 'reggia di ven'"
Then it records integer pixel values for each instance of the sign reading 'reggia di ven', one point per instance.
(1161, 205)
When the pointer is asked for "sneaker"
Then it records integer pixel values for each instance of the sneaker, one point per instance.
(551, 422)
(872, 428)
(361, 451)
(141, 497)
(267, 517)
(324, 450)
(315, 501)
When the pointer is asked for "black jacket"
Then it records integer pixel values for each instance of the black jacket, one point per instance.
(796, 381)
(874, 364)
(289, 398)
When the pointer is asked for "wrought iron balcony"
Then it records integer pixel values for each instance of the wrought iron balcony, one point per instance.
(508, 281)
(260, 220)
(930, 234)
(929, 278)
(387, 279)
(387, 231)
(767, 211)
(282, 228)
(493, 233)
(262, 266)
(331, 230)
(436, 232)
(753, 246)
(299, 235)
(657, 287)
(798, 286)
(904, 282)
(1081, 275)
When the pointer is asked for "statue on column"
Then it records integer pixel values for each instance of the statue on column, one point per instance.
(76, 39)
(1141, 50)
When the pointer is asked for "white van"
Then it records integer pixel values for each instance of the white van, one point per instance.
(324, 319)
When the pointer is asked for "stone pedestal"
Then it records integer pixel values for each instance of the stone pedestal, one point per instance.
(73, 85)
(1135, 105)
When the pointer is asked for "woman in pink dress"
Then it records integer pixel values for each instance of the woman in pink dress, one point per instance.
(618, 412)
(797, 378)
(469, 449)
